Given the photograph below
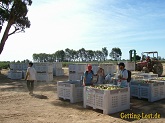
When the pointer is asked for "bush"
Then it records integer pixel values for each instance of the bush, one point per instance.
(4, 65)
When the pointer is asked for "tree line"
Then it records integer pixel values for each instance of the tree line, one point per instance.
(81, 55)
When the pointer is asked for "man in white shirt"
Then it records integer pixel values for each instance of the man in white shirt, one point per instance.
(123, 75)
(30, 77)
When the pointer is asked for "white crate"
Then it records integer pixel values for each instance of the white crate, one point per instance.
(45, 77)
(95, 68)
(109, 68)
(58, 72)
(23, 74)
(136, 73)
(148, 75)
(75, 76)
(130, 65)
(135, 77)
(24, 66)
(44, 67)
(73, 67)
(81, 68)
(57, 65)
(110, 101)
(161, 87)
(151, 91)
(71, 90)
(15, 75)
(16, 66)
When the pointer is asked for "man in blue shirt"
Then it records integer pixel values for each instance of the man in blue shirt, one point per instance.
(88, 76)
(123, 75)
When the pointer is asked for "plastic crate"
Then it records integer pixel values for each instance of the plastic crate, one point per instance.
(110, 101)
(151, 91)
(148, 75)
(161, 89)
(72, 90)
(134, 77)
(44, 67)
(109, 68)
(24, 66)
(44, 77)
(57, 65)
(58, 72)
(77, 68)
(75, 76)
(135, 89)
(15, 75)
(16, 66)
(130, 65)
(73, 67)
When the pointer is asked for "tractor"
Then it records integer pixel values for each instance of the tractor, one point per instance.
(150, 64)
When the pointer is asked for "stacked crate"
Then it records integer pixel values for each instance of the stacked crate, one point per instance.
(14, 74)
(148, 75)
(109, 68)
(24, 69)
(76, 71)
(130, 65)
(15, 71)
(71, 90)
(110, 101)
(57, 69)
(44, 72)
(153, 90)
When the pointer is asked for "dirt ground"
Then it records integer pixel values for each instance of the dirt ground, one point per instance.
(17, 106)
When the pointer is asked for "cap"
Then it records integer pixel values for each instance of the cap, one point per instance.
(121, 64)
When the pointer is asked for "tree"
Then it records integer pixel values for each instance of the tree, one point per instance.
(14, 12)
(82, 54)
(68, 54)
(105, 53)
(99, 55)
(89, 55)
(115, 53)
(60, 55)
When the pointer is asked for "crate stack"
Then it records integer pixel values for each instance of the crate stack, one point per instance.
(110, 101)
(76, 71)
(57, 69)
(15, 71)
(44, 72)
(24, 69)
(71, 90)
(109, 68)
(152, 90)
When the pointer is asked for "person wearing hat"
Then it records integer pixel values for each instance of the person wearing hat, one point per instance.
(88, 76)
(123, 75)
(100, 75)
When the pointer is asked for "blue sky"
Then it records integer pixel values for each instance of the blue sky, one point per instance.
(91, 24)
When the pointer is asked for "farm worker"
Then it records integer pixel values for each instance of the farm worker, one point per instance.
(30, 77)
(123, 75)
(100, 75)
(88, 76)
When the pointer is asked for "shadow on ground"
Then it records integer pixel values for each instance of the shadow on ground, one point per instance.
(40, 96)
(137, 108)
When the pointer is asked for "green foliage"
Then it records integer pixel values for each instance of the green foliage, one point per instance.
(105, 52)
(4, 65)
(14, 13)
(115, 53)
(70, 55)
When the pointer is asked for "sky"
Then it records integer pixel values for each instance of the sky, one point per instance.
(90, 24)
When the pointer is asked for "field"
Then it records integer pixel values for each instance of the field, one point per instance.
(17, 106)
